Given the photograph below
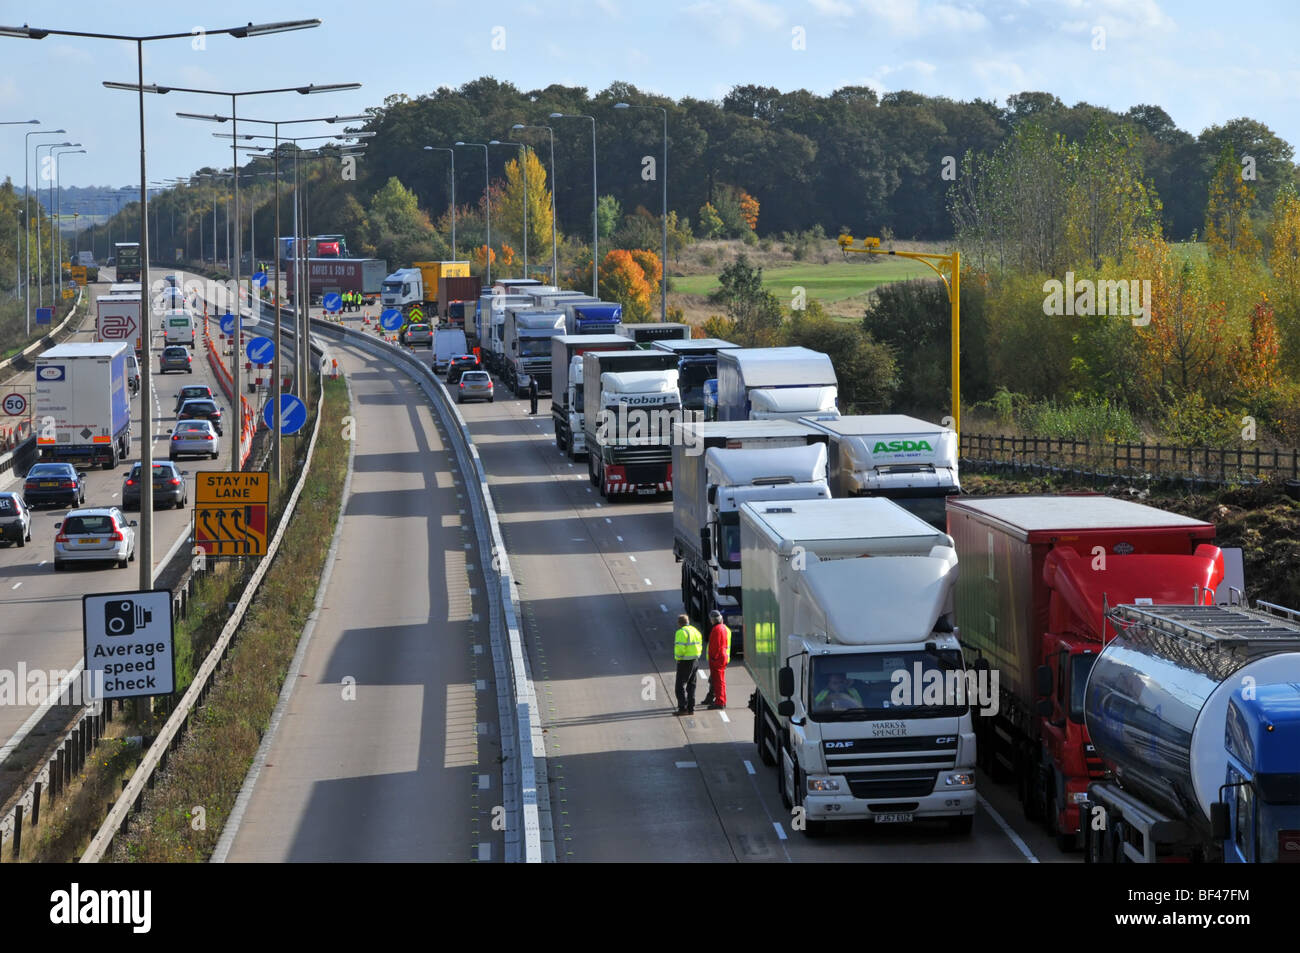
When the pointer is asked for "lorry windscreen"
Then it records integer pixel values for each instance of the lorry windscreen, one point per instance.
(693, 373)
(932, 509)
(729, 540)
(535, 347)
(392, 287)
(1080, 667)
(874, 686)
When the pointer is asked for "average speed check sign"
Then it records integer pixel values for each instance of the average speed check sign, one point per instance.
(15, 405)
(128, 643)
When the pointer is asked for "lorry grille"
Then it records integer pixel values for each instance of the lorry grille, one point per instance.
(645, 473)
(893, 784)
(635, 457)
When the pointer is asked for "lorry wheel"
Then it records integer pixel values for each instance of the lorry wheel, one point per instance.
(961, 825)
(780, 780)
(1064, 841)
(760, 729)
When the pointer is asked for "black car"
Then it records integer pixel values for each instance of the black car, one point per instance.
(459, 365)
(54, 483)
(192, 392)
(168, 486)
(201, 410)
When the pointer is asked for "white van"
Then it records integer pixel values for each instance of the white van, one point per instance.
(178, 327)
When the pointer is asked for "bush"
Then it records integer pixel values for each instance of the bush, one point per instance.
(1096, 420)
(765, 244)
(1189, 421)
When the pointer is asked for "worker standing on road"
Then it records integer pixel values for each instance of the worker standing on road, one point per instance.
(687, 647)
(532, 395)
(719, 656)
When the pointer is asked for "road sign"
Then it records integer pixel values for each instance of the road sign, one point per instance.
(227, 323)
(261, 350)
(259, 279)
(390, 320)
(416, 314)
(332, 302)
(293, 414)
(230, 512)
(79, 272)
(69, 293)
(44, 315)
(15, 405)
(119, 327)
(127, 639)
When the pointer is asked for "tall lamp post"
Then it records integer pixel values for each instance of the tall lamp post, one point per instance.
(452, 152)
(146, 421)
(237, 399)
(595, 223)
(27, 223)
(487, 202)
(663, 172)
(555, 272)
(523, 168)
(56, 246)
(40, 281)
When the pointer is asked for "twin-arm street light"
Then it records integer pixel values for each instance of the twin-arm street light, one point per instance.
(487, 203)
(523, 169)
(663, 174)
(452, 153)
(595, 223)
(555, 273)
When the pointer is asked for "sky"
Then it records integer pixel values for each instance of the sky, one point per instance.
(1204, 63)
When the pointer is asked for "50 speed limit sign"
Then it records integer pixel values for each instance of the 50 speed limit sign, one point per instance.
(15, 405)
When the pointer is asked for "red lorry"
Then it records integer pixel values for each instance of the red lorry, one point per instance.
(1037, 575)
(336, 275)
(454, 294)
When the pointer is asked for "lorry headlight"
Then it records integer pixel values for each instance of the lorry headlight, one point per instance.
(823, 784)
(1080, 797)
(959, 780)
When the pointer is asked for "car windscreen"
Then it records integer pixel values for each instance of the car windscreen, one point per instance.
(86, 525)
(175, 352)
(47, 470)
(193, 426)
(479, 377)
(7, 505)
(198, 407)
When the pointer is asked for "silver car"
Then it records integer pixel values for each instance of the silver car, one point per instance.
(94, 534)
(474, 385)
(194, 438)
(15, 520)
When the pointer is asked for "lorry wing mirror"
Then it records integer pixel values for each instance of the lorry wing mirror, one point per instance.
(785, 683)
(713, 494)
(1220, 826)
(706, 543)
(1044, 708)
(1044, 676)
(785, 708)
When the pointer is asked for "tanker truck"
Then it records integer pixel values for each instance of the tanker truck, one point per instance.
(1195, 712)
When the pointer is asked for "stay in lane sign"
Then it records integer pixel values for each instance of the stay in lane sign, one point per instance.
(230, 513)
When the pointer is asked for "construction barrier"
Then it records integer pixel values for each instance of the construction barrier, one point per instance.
(227, 382)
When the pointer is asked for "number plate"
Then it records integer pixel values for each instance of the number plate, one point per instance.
(893, 818)
(647, 491)
(45, 483)
(89, 542)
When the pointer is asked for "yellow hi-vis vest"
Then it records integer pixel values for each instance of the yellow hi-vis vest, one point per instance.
(689, 643)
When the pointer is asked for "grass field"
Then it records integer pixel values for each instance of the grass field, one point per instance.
(829, 283)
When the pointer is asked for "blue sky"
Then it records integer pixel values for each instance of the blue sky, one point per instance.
(1203, 62)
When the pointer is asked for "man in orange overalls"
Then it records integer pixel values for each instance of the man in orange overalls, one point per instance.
(719, 656)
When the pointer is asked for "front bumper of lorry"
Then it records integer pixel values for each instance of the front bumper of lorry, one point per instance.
(829, 797)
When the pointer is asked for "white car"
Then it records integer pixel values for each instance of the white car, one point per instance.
(94, 534)
(15, 520)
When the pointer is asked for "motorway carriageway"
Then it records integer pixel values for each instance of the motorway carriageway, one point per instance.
(599, 592)
(40, 610)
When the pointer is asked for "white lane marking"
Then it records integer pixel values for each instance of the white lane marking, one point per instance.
(41, 563)
(649, 583)
(619, 538)
(686, 764)
(608, 520)
(478, 649)
(780, 831)
(484, 782)
(1006, 828)
(662, 607)
(17, 584)
(723, 716)
(598, 504)
(749, 767)
(485, 851)
(575, 539)
(631, 557)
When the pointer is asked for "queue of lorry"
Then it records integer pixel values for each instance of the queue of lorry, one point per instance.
(1096, 652)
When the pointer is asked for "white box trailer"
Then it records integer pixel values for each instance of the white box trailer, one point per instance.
(775, 382)
(845, 652)
(83, 403)
(118, 318)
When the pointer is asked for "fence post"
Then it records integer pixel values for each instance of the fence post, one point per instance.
(36, 804)
(18, 830)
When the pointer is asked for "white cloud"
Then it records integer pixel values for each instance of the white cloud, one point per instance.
(728, 19)
(831, 8)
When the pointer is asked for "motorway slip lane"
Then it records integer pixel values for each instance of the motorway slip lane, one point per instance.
(389, 746)
(40, 610)
(629, 779)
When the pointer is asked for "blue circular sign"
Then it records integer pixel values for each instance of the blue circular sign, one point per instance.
(391, 320)
(259, 279)
(332, 302)
(261, 350)
(227, 323)
(293, 414)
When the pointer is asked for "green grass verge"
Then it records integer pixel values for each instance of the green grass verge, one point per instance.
(837, 281)
(207, 769)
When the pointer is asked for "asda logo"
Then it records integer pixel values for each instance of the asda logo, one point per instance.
(897, 446)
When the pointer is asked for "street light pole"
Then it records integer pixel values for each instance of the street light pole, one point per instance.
(595, 223)
(452, 151)
(663, 278)
(555, 273)
(57, 247)
(27, 222)
(487, 202)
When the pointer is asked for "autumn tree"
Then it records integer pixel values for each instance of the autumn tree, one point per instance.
(710, 221)
(399, 230)
(622, 279)
(508, 205)
(1228, 229)
(749, 209)
(1284, 265)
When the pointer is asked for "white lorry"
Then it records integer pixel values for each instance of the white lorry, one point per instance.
(118, 319)
(83, 405)
(716, 468)
(846, 652)
(909, 460)
(488, 325)
(527, 353)
(630, 404)
(566, 385)
(769, 383)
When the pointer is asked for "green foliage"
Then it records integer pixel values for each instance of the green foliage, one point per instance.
(639, 230)
(727, 204)
(710, 223)
(1189, 421)
(1094, 420)
(399, 230)
(755, 311)
(608, 214)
